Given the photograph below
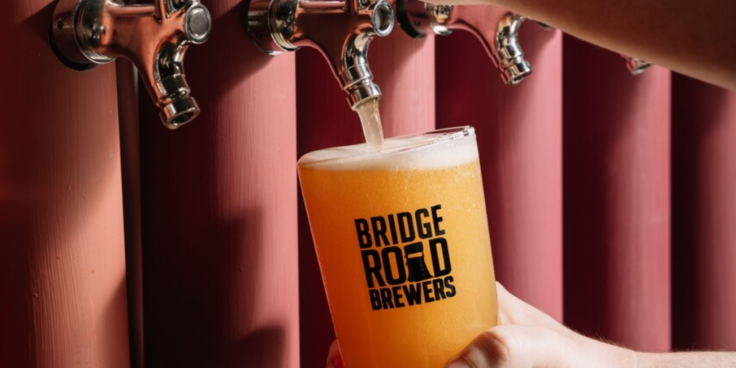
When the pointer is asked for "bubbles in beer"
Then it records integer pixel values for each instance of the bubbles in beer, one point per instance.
(371, 121)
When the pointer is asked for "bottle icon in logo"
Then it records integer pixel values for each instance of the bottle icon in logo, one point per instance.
(414, 254)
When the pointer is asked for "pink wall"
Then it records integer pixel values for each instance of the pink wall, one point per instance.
(704, 209)
(62, 257)
(220, 210)
(520, 142)
(401, 66)
(617, 198)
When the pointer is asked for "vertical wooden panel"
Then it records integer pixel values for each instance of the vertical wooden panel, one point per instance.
(127, 79)
(220, 210)
(404, 70)
(62, 260)
(519, 137)
(617, 198)
(704, 210)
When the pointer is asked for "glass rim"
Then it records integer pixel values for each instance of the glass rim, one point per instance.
(442, 136)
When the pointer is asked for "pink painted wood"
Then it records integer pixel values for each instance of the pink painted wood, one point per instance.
(704, 209)
(62, 256)
(404, 70)
(519, 137)
(617, 198)
(219, 202)
(130, 163)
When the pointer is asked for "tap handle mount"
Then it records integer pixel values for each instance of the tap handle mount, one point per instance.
(340, 29)
(155, 37)
(497, 29)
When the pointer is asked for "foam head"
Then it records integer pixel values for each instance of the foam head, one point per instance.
(433, 150)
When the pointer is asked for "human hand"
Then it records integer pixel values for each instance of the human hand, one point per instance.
(526, 338)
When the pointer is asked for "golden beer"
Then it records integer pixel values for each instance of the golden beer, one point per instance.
(403, 245)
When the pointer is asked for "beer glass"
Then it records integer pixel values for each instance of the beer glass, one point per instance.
(402, 240)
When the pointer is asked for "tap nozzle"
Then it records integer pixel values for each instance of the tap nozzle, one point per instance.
(155, 37)
(636, 66)
(496, 28)
(340, 29)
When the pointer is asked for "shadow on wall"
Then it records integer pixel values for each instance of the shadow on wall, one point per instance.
(700, 229)
(229, 51)
(617, 202)
(202, 278)
(60, 215)
(218, 214)
(257, 347)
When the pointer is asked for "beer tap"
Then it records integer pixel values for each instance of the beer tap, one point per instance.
(636, 66)
(155, 37)
(496, 28)
(340, 29)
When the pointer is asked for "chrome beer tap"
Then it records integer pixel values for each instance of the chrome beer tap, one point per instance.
(496, 28)
(341, 30)
(636, 66)
(155, 37)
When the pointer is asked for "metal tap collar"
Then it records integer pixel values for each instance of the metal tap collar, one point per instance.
(198, 24)
(383, 18)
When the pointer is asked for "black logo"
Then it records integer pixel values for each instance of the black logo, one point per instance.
(414, 254)
(395, 258)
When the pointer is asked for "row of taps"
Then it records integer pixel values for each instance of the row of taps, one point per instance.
(86, 33)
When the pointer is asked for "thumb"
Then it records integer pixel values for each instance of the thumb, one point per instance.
(334, 359)
(516, 346)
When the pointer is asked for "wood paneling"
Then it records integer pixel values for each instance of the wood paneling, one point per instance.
(219, 209)
(703, 213)
(130, 163)
(617, 198)
(519, 139)
(62, 256)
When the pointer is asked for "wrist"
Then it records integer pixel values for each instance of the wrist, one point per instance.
(605, 355)
(623, 357)
(646, 360)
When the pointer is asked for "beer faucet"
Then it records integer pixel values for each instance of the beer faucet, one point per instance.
(155, 37)
(340, 29)
(636, 66)
(496, 28)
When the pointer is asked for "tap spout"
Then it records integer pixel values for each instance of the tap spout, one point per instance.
(636, 66)
(497, 30)
(341, 30)
(154, 37)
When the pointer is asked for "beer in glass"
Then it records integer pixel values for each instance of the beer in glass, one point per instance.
(402, 240)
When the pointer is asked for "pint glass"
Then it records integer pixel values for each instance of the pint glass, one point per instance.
(403, 246)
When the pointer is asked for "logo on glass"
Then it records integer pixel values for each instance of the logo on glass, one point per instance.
(396, 250)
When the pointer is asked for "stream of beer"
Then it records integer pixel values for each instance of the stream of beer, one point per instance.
(371, 121)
